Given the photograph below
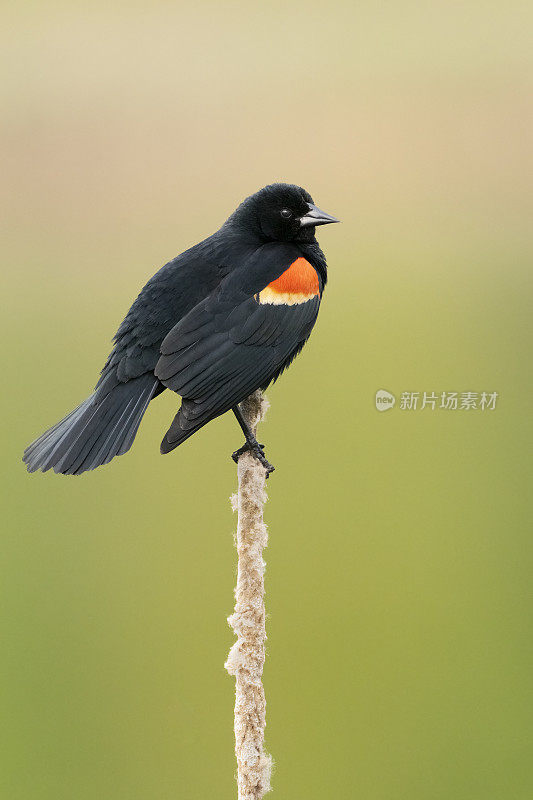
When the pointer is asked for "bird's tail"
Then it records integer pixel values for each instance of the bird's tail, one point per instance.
(99, 429)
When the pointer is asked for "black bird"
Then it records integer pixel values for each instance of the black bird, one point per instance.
(214, 324)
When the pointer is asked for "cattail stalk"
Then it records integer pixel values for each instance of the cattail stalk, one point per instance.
(247, 656)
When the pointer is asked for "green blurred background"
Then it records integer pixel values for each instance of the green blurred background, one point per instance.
(400, 556)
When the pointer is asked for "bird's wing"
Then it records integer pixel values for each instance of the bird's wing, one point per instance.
(243, 335)
(167, 297)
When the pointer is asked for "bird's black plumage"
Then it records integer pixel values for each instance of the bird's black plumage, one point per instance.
(216, 323)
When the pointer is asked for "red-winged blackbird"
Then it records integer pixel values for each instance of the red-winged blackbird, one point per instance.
(214, 324)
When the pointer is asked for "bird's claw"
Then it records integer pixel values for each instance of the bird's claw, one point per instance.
(257, 450)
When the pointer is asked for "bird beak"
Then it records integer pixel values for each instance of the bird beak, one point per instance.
(316, 217)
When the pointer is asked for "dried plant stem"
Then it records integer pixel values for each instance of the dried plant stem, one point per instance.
(247, 656)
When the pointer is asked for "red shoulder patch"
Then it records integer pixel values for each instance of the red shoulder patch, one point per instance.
(299, 278)
(297, 284)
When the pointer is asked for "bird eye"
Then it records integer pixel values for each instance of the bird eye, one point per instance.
(286, 213)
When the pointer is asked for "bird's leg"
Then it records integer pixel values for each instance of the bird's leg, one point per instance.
(251, 444)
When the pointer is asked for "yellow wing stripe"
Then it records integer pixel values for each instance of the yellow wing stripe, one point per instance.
(269, 295)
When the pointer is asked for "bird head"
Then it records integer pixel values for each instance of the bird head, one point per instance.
(281, 212)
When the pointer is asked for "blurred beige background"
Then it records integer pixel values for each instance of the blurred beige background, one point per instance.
(399, 565)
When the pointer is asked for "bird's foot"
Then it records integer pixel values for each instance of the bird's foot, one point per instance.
(257, 450)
